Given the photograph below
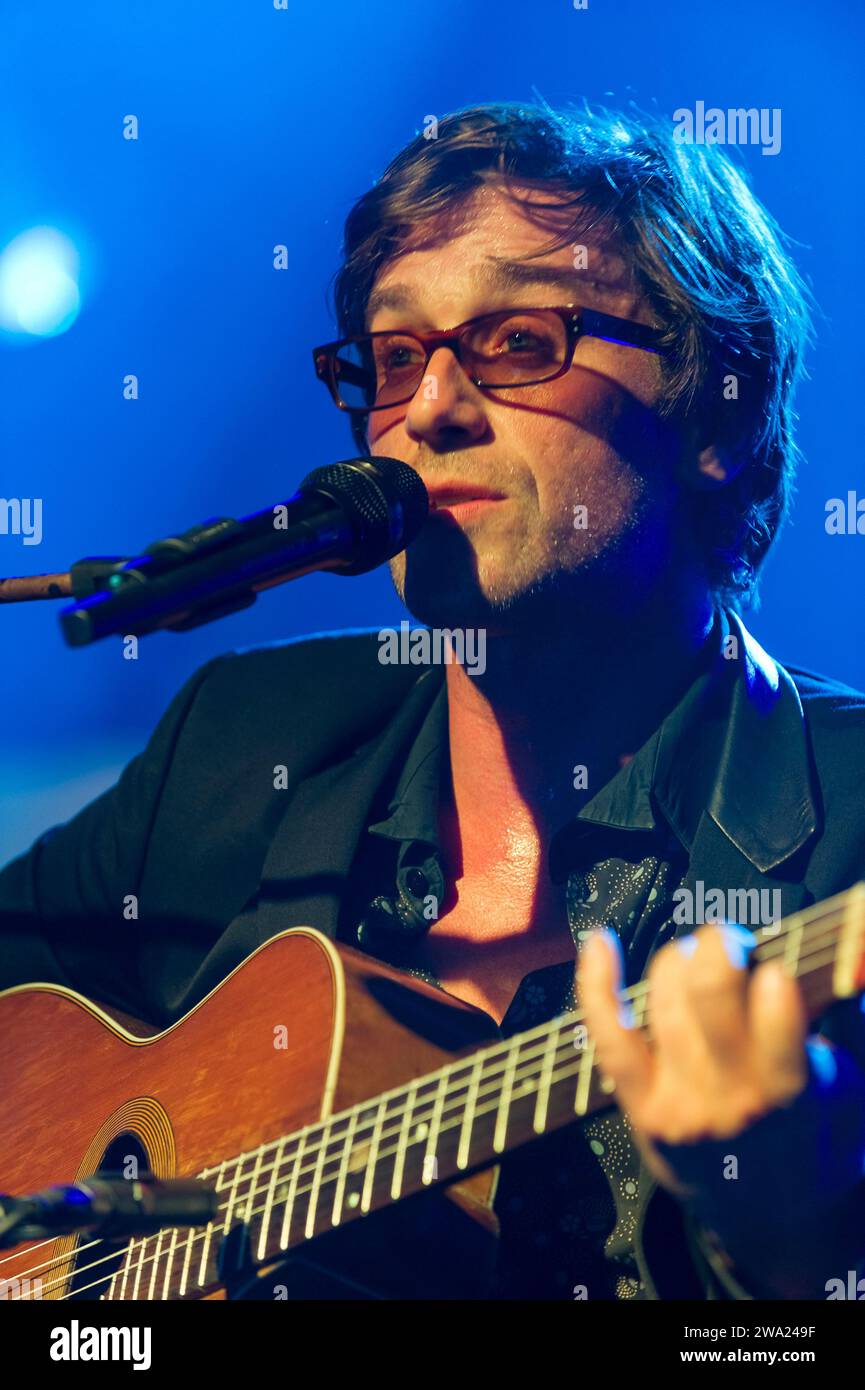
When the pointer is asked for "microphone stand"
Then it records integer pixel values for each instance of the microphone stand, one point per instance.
(82, 579)
(183, 581)
(108, 1207)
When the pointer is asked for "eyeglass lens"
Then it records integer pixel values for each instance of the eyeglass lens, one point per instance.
(499, 350)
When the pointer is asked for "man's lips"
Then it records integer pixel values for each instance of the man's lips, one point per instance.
(460, 497)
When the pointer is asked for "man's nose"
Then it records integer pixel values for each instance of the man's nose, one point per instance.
(446, 409)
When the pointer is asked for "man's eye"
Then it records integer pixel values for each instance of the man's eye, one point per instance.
(394, 357)
(522, 340)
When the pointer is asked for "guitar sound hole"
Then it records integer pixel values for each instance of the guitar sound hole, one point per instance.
(96, 1258)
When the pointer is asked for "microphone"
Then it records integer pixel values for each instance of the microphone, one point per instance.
(347, 517)
(110, 1206)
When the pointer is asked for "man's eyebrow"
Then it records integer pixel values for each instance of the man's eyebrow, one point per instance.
(603, 270)
(502, 274)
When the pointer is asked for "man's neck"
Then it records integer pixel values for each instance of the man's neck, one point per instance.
(544, 709)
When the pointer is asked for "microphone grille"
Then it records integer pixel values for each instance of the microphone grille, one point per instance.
(384, 499)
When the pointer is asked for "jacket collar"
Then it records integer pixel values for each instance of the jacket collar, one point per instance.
(734, 748)
(308, 863)
(737, 748)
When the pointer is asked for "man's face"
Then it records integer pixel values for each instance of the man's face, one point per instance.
(592, 439)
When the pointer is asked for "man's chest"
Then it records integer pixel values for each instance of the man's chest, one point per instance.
(481, 950)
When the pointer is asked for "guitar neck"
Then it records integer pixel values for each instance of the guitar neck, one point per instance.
(445, 1124)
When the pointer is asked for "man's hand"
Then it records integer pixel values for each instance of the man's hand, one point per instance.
(726, 1073)
(725, 1045)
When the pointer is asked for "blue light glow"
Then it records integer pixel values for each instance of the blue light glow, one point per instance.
(39, 292)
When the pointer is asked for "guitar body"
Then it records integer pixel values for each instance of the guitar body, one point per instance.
(301, 1030)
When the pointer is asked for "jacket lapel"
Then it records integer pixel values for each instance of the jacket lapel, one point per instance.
(308, 863)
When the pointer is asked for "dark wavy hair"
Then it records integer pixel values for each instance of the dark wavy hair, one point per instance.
(710, 260)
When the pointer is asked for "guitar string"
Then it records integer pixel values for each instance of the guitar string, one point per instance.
(237, 1201)
(634, 994)
(204, 1234)
(544, 1029)
(196, 1236)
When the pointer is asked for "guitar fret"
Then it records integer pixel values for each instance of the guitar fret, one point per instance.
(432, 1137)
(232, 1193)
(292, 1189)
(369, 1179)
(138, 1270)
(584, 1079)
(154, 1263)
(184, 1274)
(504, 1106)
(793, 945)
(169, 1261)
(205, 1251)
(402, 1142)
(342, 1175)
(539, 1123)
(309, 1229)
(469, 1113)
(124, 1269)
(209, 1228)
(248, 1208)
(268, 1201)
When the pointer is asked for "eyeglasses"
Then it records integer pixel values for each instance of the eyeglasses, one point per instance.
(508, 348)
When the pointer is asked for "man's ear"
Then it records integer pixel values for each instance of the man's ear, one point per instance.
(716, 466)
(705, 467)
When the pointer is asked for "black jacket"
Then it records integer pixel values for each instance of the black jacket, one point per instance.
(154, 892)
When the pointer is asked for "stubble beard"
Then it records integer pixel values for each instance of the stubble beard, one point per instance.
(562, 577)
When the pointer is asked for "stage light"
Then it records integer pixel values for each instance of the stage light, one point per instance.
(39, 292)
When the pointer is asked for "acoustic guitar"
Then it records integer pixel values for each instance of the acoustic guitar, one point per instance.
(349, 1117)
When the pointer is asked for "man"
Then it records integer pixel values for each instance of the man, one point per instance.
(585, 338)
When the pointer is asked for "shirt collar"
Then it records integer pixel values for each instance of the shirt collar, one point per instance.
(734, 746)
(413, 808)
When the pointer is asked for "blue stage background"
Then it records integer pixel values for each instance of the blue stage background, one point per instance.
(260, 126)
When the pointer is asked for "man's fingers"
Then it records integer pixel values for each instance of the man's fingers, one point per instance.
(622, 1054)
(698, 1000)
(778, 1024)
